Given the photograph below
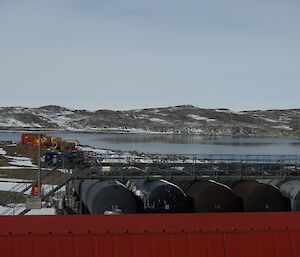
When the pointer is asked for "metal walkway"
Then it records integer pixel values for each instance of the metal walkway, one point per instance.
(18, 191)
(184, 167)
(169, 167)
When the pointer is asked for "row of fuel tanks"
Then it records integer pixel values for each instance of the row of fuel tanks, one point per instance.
(161, 196)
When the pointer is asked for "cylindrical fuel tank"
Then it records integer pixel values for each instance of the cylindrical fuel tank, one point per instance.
(290, 188)
(158, 196)
(259, 196)
(211, 196)
(105, 196)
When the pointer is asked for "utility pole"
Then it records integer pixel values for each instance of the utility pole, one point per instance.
(39, 167)
(34, 201)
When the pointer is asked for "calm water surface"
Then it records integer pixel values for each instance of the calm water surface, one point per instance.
(178, 144)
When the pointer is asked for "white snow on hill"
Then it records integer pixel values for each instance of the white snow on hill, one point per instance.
(175, 119)
(157, 120)
(197, 117)
(228, 111)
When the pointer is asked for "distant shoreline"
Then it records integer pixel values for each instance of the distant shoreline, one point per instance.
(140, 132)
(176, 120)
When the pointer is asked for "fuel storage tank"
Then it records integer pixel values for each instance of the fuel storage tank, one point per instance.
(158, 196)
(259, 196)
(290, 188)
(105, 196)
(211, 196)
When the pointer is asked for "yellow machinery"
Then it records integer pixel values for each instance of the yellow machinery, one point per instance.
(66, 145)
(48, 141)
(56, 143)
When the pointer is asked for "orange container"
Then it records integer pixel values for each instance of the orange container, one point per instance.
(28, 138)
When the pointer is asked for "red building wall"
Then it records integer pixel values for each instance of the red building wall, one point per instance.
(166, 235)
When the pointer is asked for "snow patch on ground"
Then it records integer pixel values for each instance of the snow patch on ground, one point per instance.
(270, 120)
(15, 209)
(122, 130)
(59, 119)
(14, 180)
(138, 131)
(197, 117)
(284, 118)
(20, 161)
(157, 120)
(19, 187)
(17, 162)
(283, 127)
(43, 211)
(143, 116)
(11, 122)
(96, 150)
(163, 114)
(155, 111)
(196, 130)
(228, 111)
(12, 187)
(12, 209)
(17, 167)
(13, 144)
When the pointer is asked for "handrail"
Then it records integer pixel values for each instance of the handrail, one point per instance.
(67, 178)
(10, 198)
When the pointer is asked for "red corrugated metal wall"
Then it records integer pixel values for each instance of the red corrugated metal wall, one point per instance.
(166, 235)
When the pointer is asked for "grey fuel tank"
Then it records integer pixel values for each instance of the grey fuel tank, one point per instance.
(289, 188)
(211, 196)
(158, 196)
(105, 196)
(259, 197)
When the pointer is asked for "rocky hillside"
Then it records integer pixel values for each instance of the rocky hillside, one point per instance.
(177, 119)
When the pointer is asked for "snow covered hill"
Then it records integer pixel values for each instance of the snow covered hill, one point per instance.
(177, 119)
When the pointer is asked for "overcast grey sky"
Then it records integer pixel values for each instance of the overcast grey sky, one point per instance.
(124, 54)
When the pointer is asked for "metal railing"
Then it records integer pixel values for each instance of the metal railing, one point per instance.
(172, 167)
(60, 181)
(207, 158)
(195, 167)
(18, 191)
